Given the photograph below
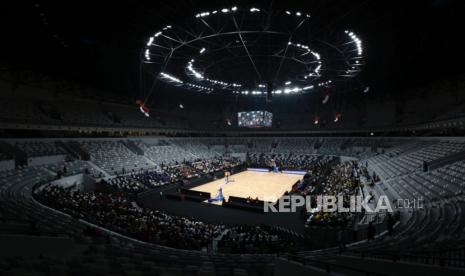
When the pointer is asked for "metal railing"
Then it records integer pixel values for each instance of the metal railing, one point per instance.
(454, 257)
(330, 267)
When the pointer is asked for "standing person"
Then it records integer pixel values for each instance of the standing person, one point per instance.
(273, 165)
(226, 177)
(425, 166)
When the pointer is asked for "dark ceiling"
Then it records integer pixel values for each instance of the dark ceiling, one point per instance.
(97, 43)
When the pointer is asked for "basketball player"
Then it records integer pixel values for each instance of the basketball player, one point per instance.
(227, 177)
(272, 165)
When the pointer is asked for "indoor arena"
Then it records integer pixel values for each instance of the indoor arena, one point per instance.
(242, 138)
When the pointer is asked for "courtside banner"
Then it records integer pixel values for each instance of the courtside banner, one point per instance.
(267, 170)
(295, 172)
(258, 170)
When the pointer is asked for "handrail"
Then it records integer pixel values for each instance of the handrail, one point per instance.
(329, 267)
(427, 257)
(233, 132)
(448, 159)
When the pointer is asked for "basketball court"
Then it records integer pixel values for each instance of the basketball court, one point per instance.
(267, 186)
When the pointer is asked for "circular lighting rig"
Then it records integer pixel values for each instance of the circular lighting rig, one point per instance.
(241, 50)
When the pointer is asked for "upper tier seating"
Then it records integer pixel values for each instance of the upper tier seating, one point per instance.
(114, 157)
(131, 116)
(34, 148)
(410, 160)
(37, 100)
(296, 145)
(74, 167)
(5, 156)
(21, 112)
(196, 148)
(89, 113)
(167, 154)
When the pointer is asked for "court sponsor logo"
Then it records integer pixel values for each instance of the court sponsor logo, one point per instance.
(329, 204)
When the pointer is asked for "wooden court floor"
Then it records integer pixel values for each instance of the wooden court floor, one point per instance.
(266, 186)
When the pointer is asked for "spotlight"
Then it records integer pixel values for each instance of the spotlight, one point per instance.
(147, 54)
(325, 99)
(171, 78)
(308, 87)
(150, 41)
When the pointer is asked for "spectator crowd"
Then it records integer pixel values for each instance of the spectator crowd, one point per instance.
(329, 179)
(112, 206)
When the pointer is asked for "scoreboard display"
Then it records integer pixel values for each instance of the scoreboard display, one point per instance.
(254, 119)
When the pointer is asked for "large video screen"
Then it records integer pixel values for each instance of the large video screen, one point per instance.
(255, 118)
